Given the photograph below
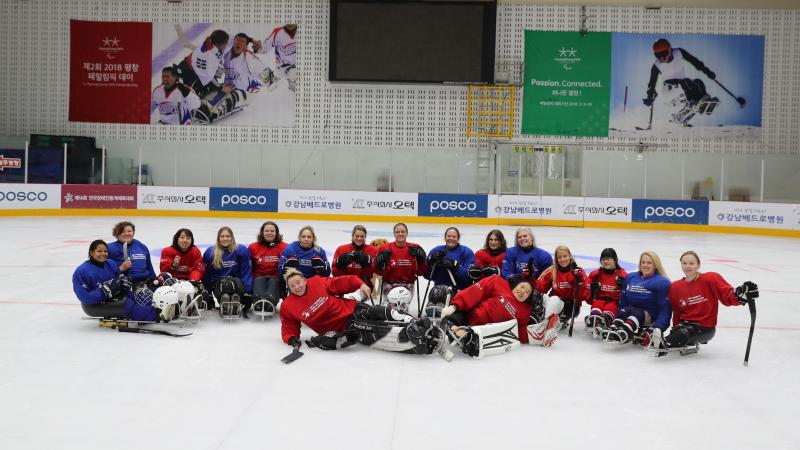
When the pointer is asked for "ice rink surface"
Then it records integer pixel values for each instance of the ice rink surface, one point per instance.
(67, 384)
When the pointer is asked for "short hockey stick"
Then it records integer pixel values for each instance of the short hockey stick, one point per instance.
(649, 122)
(425, 297)
(292, 357)
(752, 305)
(574, 305)
(151, 331)
(740, 100)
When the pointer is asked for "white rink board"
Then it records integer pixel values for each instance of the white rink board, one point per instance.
(757, 215)
(348, 202)
(173, 198)
(30, 196)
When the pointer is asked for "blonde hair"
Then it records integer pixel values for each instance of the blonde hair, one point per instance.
(554, 268)
(656, 262)
(527, 230)
(292, 272)
(313, 236)
(218, 250)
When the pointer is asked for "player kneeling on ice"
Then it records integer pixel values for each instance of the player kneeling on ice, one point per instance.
(492, 317)
(105, 292)
(694, 300)
(340, 322)
(643, 304)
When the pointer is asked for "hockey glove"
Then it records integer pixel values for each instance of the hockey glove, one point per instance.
(362, 259)
(319, 265)
(295, 342)
(620, 281)
(383, 259)
(449, 264)
(579, 274)
(435, 256)
(746, 292)
(528, 272)
(114, 286)
(291, 263)
(595, 288)
(651, 97)
(344, 260)
(475, 272)
(489, 271)
(417, 252)
(448, 311)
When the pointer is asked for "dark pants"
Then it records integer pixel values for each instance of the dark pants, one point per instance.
(264, 287)
(688, 333)
(106, 310)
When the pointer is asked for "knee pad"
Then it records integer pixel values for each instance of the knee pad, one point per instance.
(552, 305)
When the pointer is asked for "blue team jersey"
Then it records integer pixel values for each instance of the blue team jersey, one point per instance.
(87, 278)
(465, 258)
(234, 264)
(141, 266)
(516, 260)
(304, 256)
(650, 294)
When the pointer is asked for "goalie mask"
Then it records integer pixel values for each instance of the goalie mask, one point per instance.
(399, 298)
(165, 296)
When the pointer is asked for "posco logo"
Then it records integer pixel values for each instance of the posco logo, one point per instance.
(243, 200)
(660, 211)
(452, 205)
(23, 196)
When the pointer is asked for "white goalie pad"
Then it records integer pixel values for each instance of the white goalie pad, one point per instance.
(496, 338)
(391, 342)
(545, 332)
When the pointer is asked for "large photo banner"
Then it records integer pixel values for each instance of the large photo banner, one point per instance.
(643, 85)
(183, 74)
(109, 71)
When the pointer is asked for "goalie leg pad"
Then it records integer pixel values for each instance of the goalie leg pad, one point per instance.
(391, 337)
(491, 339)
(544, 333)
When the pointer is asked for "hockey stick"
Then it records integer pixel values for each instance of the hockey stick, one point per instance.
(575, 306)
(752, 305)
(292, 357)
(184, 40)
(124, 251)
(416, 286)
(425, 297)
(649, 122)
(151, 331)
(740, 100)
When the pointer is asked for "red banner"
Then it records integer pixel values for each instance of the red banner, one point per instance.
(110, 64)
(98, 196)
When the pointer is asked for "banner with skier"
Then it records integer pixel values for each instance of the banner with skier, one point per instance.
(227, 74)
(686, 85)
(643, 85)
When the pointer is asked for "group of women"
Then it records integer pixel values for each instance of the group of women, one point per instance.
(623, 307)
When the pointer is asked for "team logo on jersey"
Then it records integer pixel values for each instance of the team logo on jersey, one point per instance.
(110, 46)
(10, 163)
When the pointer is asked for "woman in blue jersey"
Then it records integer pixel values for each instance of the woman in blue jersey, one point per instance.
(103, 291)
(643, 302)
(226, 260)
(305, 255)
(136, 264)
(525, 258)
(451, 257)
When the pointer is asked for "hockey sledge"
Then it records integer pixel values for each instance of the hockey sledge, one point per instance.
(132, 326)
(683, 351)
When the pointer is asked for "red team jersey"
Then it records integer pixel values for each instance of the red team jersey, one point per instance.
(485, 259)
(322, 309)
(609, 291)
(564, 287)
(491, 301)
(698, 301)
(401, 268)
(365, 273)
(191, 266)
(265, 259)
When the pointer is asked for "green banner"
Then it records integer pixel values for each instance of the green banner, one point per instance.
(567, 83)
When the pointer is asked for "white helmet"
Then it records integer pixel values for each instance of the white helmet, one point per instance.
(399, 298)
(165, 296)
(185, 290)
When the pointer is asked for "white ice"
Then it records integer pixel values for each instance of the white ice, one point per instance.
(67, 384)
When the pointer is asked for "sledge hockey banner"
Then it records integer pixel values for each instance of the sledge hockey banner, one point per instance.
(643, 85)
(567, 77)
(109, 65)
(223, 74)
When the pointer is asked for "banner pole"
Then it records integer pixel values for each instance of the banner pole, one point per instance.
(65, 163)
(27, 144)
(139, 175)
(103, 166)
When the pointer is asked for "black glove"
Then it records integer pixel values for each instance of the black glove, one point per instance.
(114, 286)
(710, 74)
(746, 292)
(620, 281)
(295, 342)
(344, 260)
(595, 288)
(489, 271)
(319, 265)
(449, 264)
(475, 272)
(528, 271)
(362, 258)
(185, 90)
(435, 256)
(291, 263)
(579, 274)
(417, 252)
(382, 259)
(651, 96)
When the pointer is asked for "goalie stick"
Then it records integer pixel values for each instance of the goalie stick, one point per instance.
(751, 304)
(292, 357)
